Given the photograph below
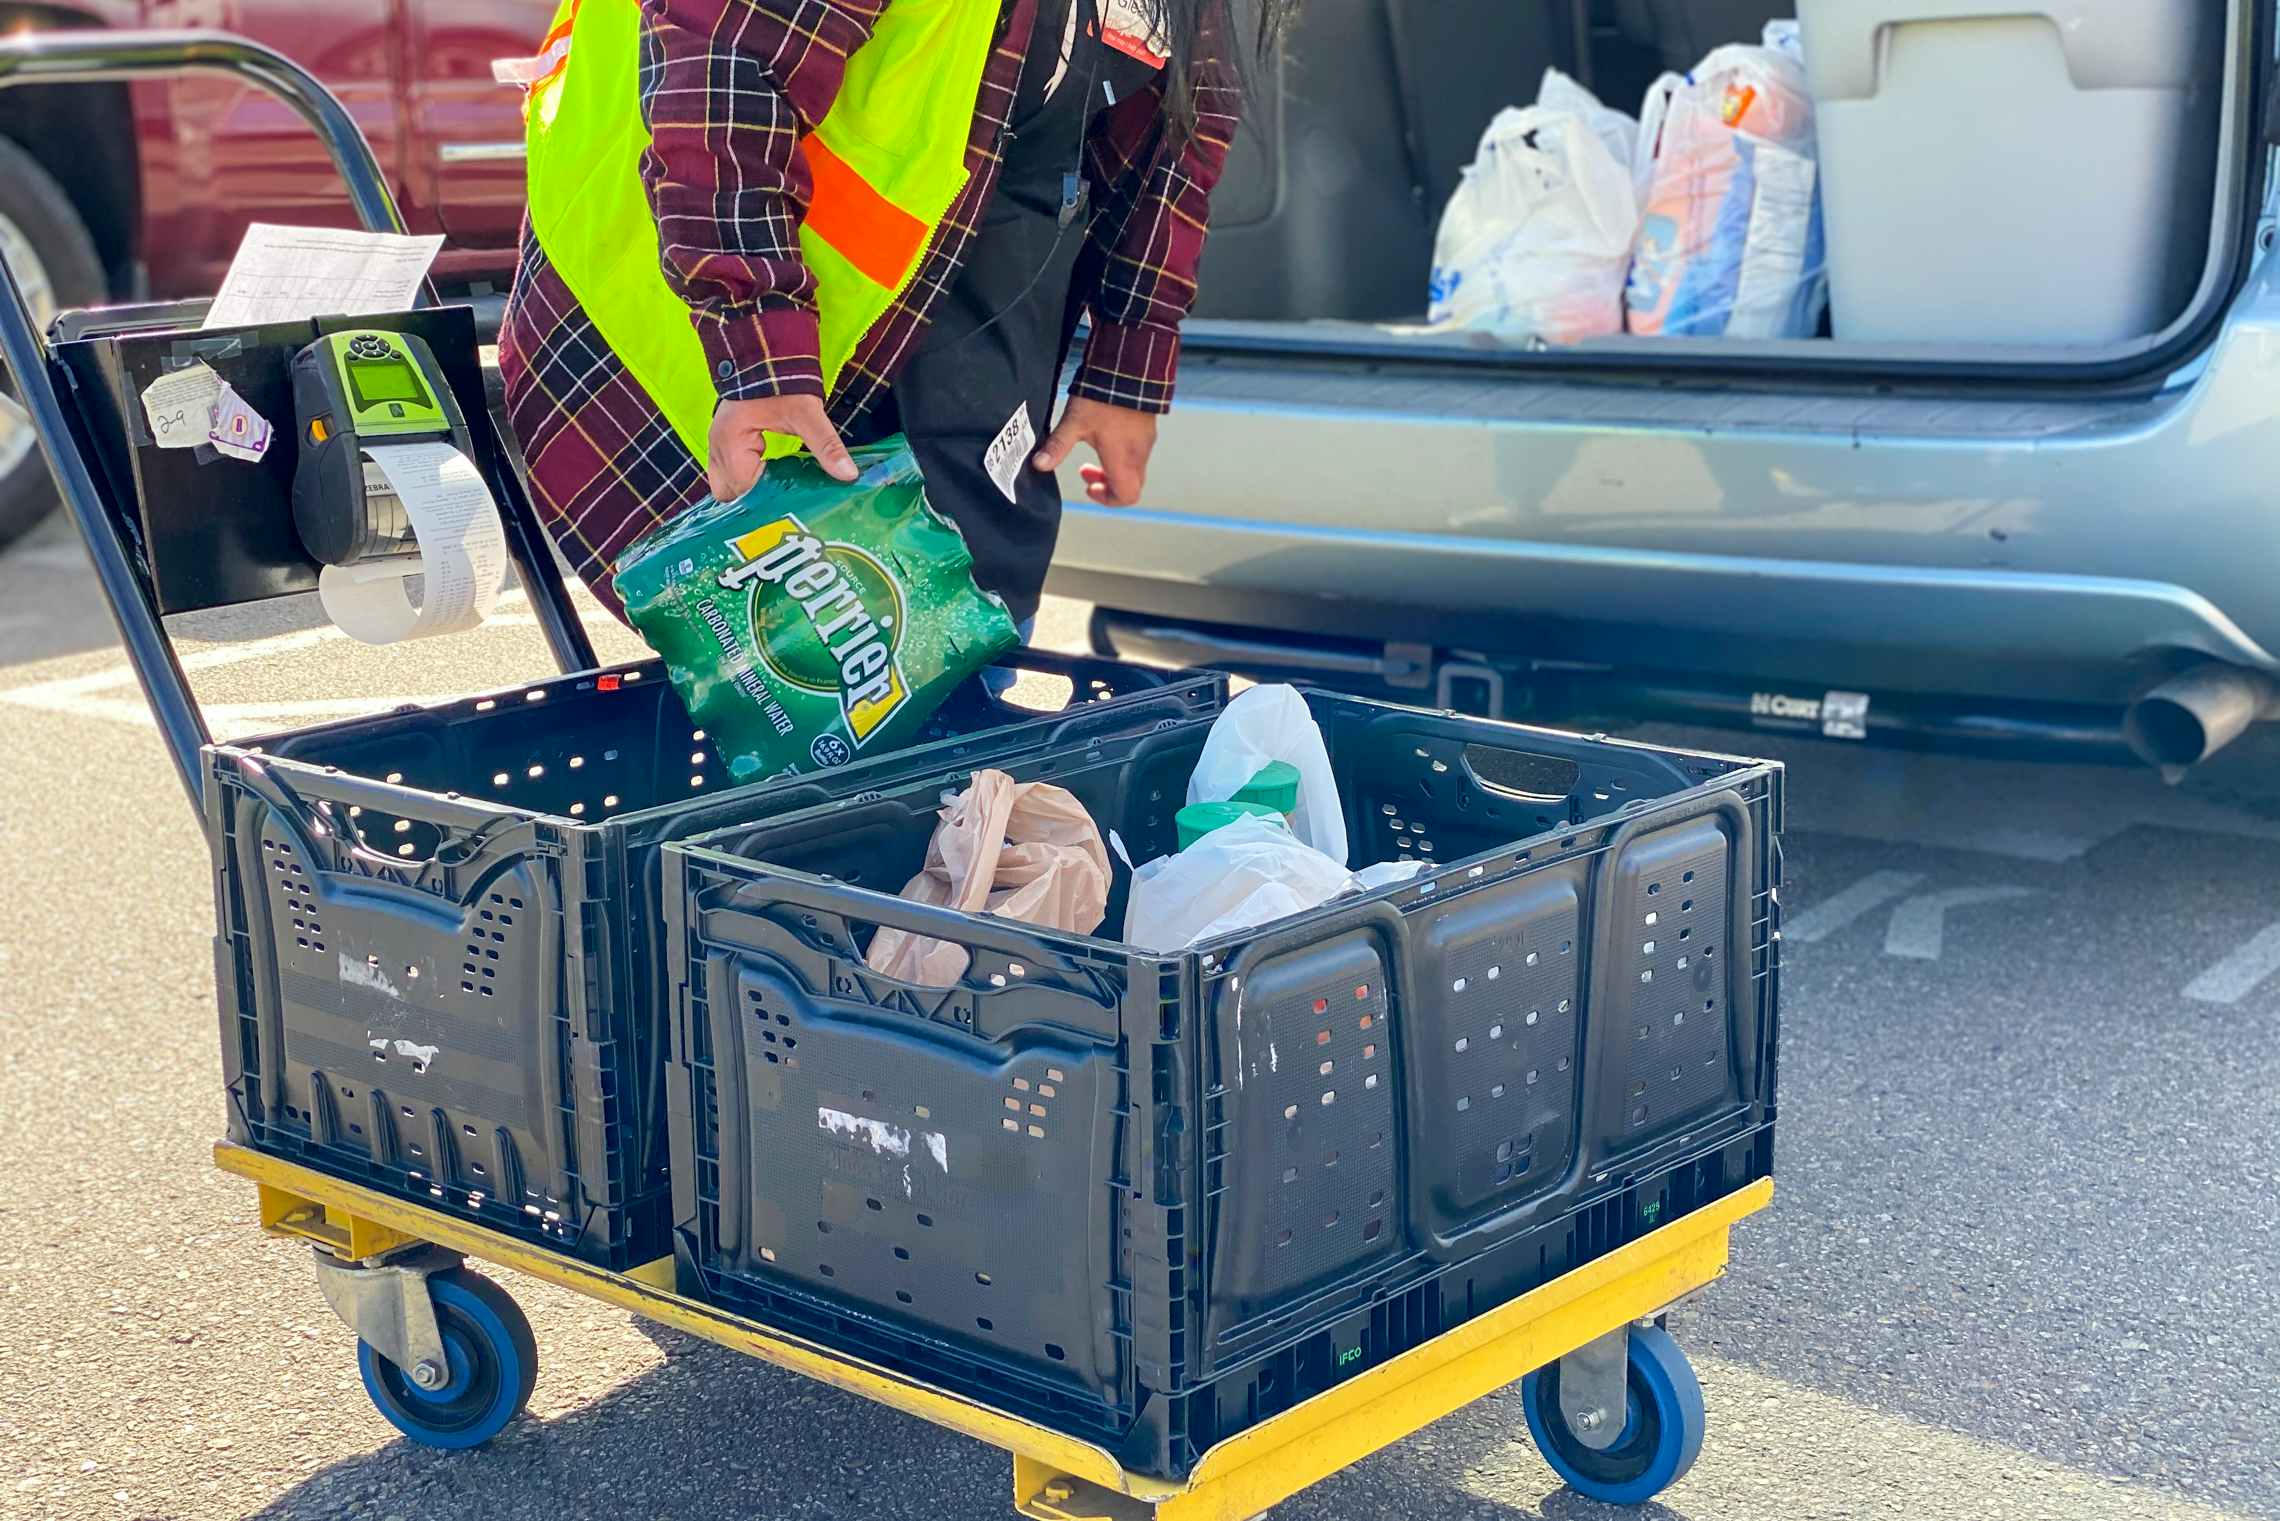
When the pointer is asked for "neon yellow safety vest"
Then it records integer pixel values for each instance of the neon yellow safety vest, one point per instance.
(888, 162)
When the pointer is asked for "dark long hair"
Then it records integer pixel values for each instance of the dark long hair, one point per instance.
(1206, 52)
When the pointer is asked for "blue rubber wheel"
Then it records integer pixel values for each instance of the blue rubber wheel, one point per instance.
(493, 1365)
(1662, 1426)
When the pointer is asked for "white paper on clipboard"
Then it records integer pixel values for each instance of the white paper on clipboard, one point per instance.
(461, 563)
(286, 274)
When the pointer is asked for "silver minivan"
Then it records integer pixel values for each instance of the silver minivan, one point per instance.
(2057, 543)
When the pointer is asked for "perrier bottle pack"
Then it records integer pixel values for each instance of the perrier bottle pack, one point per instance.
(812, 622)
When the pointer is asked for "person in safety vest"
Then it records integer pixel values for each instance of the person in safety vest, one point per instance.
(758, 226)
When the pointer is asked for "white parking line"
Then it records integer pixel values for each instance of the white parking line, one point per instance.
(1866, 896)
(1919, 926)
(2235, 977)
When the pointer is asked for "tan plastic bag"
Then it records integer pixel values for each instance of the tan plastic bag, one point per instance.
(1022, 850)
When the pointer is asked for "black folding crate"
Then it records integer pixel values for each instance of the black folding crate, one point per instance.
(438, 956)
(1154, 1199)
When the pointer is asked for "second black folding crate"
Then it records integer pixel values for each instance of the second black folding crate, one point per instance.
(1155, 1198)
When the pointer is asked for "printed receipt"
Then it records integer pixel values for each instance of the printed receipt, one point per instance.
(284, 274)
(462, 558)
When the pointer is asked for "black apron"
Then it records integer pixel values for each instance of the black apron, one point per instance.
(1000, 335)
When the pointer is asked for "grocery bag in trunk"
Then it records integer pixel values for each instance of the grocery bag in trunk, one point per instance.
(1730, 241)
(1537, 239)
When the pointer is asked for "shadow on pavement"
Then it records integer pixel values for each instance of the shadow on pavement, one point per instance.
(711, 1433)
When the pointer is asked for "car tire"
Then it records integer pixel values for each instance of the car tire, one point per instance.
(44, 240)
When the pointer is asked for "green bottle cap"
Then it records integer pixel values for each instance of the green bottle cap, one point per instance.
(1276, 786)
(1199, 819)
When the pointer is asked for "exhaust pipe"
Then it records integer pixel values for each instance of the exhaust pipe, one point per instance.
(2192, 716)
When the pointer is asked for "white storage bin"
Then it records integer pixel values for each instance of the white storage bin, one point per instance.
(2014, 171)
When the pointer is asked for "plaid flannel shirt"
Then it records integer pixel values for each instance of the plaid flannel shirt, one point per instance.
(729, 87)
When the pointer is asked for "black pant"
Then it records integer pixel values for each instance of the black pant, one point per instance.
(1000, 335)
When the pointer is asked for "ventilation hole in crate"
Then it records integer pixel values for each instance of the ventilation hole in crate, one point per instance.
(873, 1205)
(1012, 1125)
(1563, 1008)
(1686, 934)
(985, 1323)
(1044, 1090)
(923, 1112)
(1653, 889)
(1496, 1032)
(407, 850)
(826, 1270)
(1324, 1069)
(696, 757)
(415, 1151)
(1463, 1045)
(1055, 1353)
(870, 1096)
(1290, 1111)
(1647, 975)
(355, 1129)
(1686, 907)
(902, 1296)
(927, 1221)
(1561, 1065)
(1368, 1020)
(1533, 1074)
(1038, 1110)
(1021, 1084)
(696, 781)
(1709, 951)
(1682, 963)
(486, 992)
(1290, 1175)
(1013, 1104)
(1530, 958)
(1457, 986)
(1329, 1098)
(1321, 1005)
(1496, 1091)
(1362, 990)
(611, 801)
(1037, 1132)
(1283, 1239)
(1370, 1081)
(1322, 1037)
(1709, 1004)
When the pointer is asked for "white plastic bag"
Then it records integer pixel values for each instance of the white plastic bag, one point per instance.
(1730, 240)
(1263, 725)
(1248, 873)
(1536, 241)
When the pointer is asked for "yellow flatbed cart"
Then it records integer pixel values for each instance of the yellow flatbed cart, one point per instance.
(376, 1255)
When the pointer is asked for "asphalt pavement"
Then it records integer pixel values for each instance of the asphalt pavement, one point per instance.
(2024, 1261)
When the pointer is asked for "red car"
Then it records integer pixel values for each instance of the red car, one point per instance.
(142, 191)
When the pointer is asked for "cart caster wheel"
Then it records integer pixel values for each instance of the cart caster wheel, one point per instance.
(493, 1363)
(1662, 1429)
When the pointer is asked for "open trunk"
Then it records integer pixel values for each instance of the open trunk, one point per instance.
(1360, 131)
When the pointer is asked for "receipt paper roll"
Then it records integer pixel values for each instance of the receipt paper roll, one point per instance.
(462, 555)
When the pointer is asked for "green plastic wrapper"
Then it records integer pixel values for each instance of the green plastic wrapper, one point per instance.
(813, 622)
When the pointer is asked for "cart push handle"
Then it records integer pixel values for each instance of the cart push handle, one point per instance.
(91, 57)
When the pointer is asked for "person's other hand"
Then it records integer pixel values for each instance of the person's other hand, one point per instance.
(737, 449)
(1121, 437)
